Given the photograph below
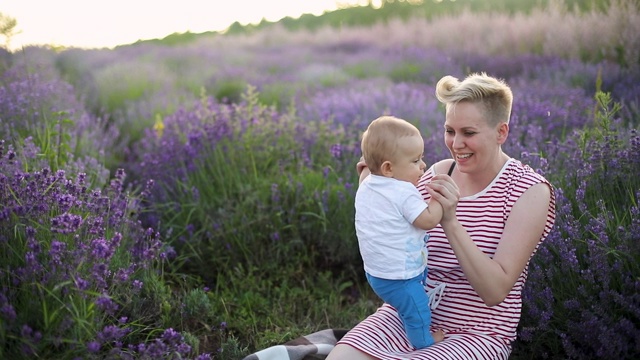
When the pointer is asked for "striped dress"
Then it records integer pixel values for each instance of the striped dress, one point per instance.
(472, 329)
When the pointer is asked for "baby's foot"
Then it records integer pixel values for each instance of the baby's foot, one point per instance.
(437, 336)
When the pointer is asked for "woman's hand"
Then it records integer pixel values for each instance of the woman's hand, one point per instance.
(446, 192)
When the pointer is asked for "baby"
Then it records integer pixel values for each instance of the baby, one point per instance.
(391, 219)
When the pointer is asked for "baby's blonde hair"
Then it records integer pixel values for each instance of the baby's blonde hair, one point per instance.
(493, 94)
(381, 140)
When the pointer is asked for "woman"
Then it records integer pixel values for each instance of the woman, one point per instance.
(497, 211)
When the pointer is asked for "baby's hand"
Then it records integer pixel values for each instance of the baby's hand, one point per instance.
(361, 165)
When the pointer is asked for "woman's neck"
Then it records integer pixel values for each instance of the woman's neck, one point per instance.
(473, 183)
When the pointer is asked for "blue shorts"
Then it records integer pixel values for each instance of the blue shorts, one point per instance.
(412, 303)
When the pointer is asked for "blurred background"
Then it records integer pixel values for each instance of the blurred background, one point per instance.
(187, 191)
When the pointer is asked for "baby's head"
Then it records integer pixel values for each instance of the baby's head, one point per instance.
(393, 147)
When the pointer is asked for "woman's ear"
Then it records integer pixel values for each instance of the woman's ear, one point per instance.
(386, 169)
(503, 132)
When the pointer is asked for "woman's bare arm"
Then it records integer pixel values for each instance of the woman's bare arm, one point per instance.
(343, 351)
(493, 278)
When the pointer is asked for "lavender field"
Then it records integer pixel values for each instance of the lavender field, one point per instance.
(195, 201)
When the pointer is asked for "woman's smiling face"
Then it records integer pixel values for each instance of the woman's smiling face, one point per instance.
(472, 141)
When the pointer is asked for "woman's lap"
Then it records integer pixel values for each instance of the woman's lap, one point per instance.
(382, 335)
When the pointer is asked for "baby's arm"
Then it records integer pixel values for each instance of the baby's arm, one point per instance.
(430, 217)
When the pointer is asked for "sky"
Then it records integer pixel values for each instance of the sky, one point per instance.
(100, 23)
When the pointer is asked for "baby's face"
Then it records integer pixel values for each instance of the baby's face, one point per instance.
(408, 164)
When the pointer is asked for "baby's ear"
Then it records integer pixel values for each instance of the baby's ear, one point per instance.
(386, 169)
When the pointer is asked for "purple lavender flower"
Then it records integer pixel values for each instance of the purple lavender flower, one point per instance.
(111, 333)
(106, 304)
(137, 285)
(57, 252)
(65, 223)
(93, 347)
(8, 312)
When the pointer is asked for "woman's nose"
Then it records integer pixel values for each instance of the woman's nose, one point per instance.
(457, 142)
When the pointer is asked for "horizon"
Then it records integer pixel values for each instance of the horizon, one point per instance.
(118, 22)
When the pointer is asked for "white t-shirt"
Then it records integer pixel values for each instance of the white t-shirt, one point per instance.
(391, 247)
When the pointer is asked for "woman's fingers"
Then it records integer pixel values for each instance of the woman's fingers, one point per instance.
(446, 192)
(444, 185)
(443, 195)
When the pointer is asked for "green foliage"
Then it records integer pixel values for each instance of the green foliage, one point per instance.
(279, 95)
(324, 75)
(243, 229)
(173, 39)
(51, 137)
(600, 146)
(603, 130)
(48, 275)
(54, 141)
(368, 15)
(243, 205)
(149, 308)
(197, 307)
(406, 72)
(364, 70)
(272, 306)
(595, 253)
(7, 28)
(125, 82)
(229, 90)
(232, 349)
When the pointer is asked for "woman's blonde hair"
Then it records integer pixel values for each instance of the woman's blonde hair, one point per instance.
(381, 140)
(493, 94)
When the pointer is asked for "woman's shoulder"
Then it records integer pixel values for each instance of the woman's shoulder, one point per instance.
(521, 178)
(525, 179)
(442, 166)
(521, 172)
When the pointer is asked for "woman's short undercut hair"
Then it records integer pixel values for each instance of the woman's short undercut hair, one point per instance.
(493, 94)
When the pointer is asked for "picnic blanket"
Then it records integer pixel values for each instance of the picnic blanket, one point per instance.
(313, 346)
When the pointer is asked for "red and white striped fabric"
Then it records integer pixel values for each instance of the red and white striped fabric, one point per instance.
(472, 329)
